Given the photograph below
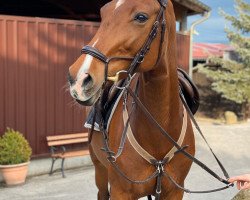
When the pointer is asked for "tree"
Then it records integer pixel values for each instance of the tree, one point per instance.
(231, 78)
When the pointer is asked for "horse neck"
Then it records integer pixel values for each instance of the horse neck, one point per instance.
(159, 88)
(159, 92)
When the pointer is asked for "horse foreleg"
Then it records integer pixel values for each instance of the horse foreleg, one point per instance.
(117, 194)
(101, 177)
(174, 195)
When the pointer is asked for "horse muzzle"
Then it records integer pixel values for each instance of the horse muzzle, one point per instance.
(85, 98)
(84, 91)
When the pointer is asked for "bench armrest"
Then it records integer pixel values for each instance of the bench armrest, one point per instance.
(52, 149)
(63, 149)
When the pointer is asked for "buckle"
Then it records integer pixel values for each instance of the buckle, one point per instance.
(112, 159)
(160, 167)
(128, 81)
(141, 59)
(158, 192)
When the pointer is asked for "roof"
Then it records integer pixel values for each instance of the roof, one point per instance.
(76, 9)
(194, 6)
(201, 51)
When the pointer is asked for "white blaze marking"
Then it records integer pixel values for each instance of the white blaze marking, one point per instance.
(86, 65)
(95, 42)
(119, 3)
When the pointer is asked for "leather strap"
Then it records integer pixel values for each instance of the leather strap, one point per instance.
(195, 191)
(181, 150)
(141, 151)
(163, 3)
(200, 132)
(172, 152)
(139, 58)
(95, 53)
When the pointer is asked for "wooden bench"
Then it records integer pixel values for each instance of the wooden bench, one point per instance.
(58, 143)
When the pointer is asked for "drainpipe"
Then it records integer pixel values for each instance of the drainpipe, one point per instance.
(206, 15)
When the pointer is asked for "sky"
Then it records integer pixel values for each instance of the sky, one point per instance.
(212, 30)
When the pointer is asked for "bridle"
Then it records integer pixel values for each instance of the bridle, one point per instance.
(139, 57)
(135, 63)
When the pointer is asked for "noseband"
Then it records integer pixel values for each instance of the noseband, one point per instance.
(139, 57)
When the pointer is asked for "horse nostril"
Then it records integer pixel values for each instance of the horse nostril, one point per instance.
(71, 79)
(74, 94)
(87, 82)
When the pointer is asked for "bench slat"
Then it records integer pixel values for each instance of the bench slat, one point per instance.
(67, 136)
(71, 154)
(69, 141)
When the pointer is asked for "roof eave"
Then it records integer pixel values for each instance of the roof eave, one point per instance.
(194, 6)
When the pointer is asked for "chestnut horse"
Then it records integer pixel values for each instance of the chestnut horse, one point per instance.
(125, 28)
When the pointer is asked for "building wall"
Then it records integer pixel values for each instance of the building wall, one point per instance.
(183, 44)
(35, 54)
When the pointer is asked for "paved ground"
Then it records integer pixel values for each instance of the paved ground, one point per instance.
(231, 143)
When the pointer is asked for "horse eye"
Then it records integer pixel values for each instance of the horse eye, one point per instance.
(141, 17)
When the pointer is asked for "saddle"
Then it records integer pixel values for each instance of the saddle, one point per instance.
(189, 90)
(187, 87)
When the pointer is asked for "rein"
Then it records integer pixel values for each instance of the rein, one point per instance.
(126, 90)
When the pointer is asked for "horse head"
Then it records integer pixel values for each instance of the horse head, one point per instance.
(125, 29)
